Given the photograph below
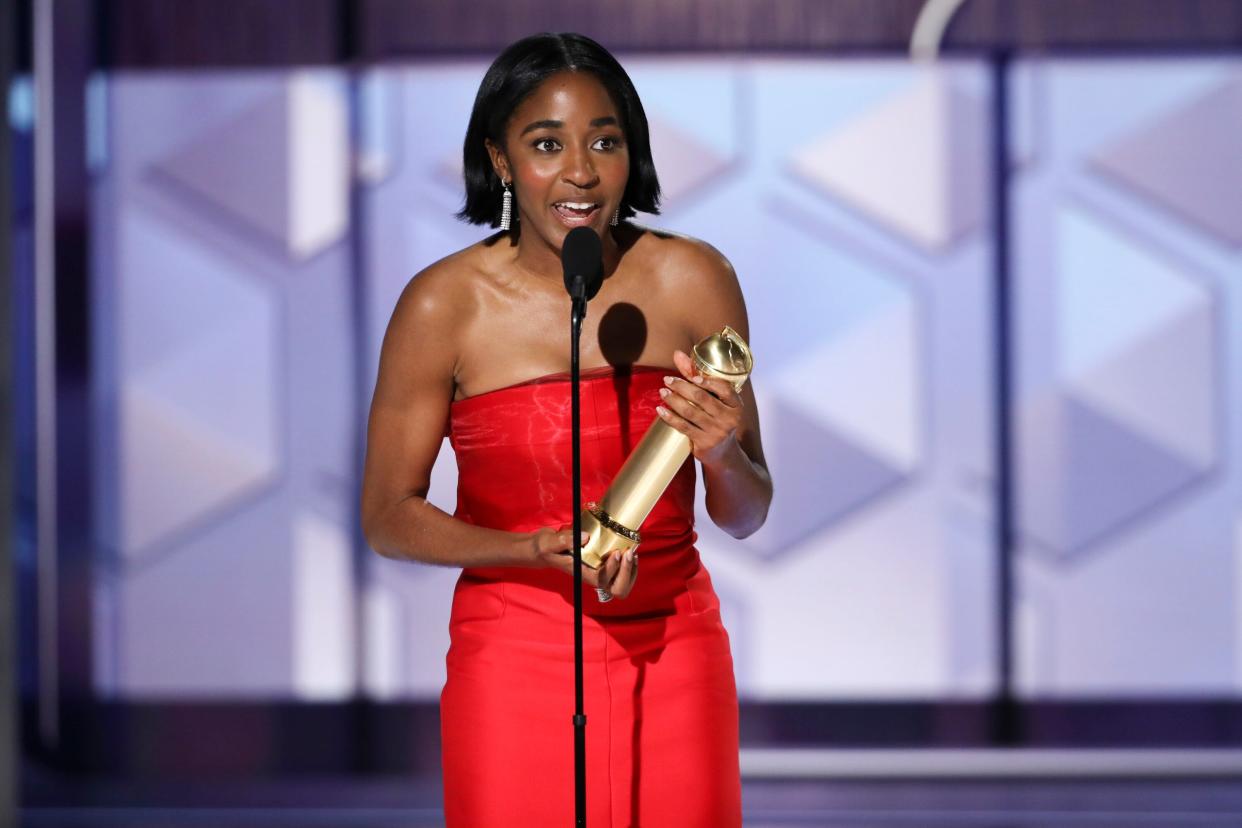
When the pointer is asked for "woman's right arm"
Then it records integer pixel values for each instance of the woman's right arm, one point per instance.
(409, 411)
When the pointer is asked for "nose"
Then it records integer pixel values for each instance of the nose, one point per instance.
(580, 169)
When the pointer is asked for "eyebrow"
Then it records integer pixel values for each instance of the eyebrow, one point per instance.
(607, 120)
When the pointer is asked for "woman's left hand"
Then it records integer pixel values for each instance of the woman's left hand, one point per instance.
(705, 409)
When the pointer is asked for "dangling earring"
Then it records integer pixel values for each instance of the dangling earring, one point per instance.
(506, 207)
(616, 216)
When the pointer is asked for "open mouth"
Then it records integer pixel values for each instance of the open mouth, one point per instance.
(575, 213)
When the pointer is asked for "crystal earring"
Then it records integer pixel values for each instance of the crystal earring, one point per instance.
(506, 207)
(616, 217)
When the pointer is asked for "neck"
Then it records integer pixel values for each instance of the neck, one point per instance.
(537, 257)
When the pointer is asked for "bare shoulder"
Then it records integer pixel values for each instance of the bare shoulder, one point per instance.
(439, 294)
(686, 262)
(700, 278)
(423, 336)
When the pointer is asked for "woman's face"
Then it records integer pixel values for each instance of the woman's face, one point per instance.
(566, 156)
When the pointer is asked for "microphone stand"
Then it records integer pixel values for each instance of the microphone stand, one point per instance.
(576, 315)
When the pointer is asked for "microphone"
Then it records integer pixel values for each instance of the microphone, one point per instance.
(582, 259)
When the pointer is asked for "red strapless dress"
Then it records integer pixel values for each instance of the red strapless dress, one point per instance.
(661, 703)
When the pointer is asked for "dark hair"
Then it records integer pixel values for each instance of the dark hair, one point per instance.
(514, 75)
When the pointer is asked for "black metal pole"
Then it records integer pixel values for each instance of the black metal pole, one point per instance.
(8, 609)
(64, 57)
(1005, 723)
(575, 333)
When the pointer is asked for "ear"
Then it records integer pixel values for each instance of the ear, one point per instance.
(500, 163)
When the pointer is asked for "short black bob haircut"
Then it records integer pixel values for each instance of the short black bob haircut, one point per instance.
(515, 74)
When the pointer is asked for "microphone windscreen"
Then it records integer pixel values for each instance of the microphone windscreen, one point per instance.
(582, 254)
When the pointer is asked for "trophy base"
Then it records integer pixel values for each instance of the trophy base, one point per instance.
(607, 536)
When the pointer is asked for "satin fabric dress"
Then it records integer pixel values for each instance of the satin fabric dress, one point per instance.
(661, 703)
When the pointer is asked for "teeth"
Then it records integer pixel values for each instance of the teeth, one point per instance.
(575, 205)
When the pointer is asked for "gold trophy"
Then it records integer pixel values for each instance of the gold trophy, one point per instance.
(613, 522)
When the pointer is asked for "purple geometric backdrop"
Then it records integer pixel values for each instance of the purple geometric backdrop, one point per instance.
(859, 229)
(1128, 251)
(224, 353)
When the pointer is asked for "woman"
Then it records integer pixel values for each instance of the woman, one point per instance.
(478, 346)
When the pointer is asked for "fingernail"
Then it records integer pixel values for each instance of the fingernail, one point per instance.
(697, 379)
(586, 538)
(629, 556)
(664, 392)
(662, 411)
(668, 380)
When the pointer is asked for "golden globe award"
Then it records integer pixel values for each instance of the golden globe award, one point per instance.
(613, 522)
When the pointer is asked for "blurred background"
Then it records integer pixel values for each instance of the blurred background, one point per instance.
(992, 254)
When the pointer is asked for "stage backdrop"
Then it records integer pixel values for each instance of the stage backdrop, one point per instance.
(239, 322)
(1128, 246)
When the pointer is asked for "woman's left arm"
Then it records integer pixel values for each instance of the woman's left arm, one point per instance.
(722, 424)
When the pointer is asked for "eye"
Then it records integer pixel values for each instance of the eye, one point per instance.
(545, 144)
(607, 143)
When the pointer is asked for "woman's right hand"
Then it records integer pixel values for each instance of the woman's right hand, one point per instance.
(554, 548)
